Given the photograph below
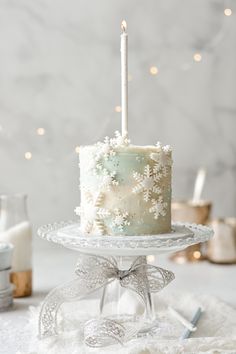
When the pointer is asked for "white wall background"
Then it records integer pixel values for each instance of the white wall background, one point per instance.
(60, 70)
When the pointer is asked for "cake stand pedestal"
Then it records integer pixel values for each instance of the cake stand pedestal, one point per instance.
(116, 264)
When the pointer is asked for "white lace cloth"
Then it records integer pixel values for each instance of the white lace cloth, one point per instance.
(216, 331)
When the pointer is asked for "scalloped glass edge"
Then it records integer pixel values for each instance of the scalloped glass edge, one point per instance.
(182, 235)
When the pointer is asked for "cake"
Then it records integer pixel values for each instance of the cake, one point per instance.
(125, 189)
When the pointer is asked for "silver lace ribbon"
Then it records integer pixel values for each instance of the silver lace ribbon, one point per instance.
(93, 273)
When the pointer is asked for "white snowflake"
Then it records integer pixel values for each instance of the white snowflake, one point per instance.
(147, 183)
(105, 150)
(120, 220)
(159, 146)
(108, 179)
(119, 140)
(158, 207)
(163, 161)
(93, 213)
(167, 148)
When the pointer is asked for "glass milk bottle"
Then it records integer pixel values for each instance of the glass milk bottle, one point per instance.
(16, 229)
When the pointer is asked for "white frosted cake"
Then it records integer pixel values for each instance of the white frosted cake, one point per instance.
(125, 189)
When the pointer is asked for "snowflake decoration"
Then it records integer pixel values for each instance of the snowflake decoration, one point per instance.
(167, 148)
(163, 160)
(108, 179)
(158, 207)
(120, 220)
(147, 183)
(119, 140)
(105, 150)
(93, 213)
(159, 146)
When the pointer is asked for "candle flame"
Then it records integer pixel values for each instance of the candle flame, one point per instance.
(123, 26)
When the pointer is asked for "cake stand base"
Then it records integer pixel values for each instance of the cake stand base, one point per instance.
(112, 302)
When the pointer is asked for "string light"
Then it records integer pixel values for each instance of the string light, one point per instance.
(28, 155)
(40, 131)
(77, 149)
(197, 57)
(153, 70)
(118, 109)
(228, 12)
(197, 254)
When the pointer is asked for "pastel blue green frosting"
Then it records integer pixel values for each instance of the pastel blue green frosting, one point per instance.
(125, 189)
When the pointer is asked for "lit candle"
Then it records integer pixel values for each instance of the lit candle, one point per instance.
(124, 78)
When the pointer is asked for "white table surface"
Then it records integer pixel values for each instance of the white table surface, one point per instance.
(54, 265)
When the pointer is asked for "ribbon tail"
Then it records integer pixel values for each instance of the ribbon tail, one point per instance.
(158, 278)
(73, 290)
(104, 332)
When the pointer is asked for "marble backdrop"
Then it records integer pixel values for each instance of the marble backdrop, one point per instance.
(60, 70)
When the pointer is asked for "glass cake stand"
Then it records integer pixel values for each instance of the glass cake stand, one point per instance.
(117, 265)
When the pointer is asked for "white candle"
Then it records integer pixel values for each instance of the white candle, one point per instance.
(191, 327)
(124, 78)
(199, 184)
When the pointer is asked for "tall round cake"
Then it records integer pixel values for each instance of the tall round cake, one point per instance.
(125, 189)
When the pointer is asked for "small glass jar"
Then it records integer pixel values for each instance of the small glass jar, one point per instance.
(222, 248)
(15, 228)
(6, 289)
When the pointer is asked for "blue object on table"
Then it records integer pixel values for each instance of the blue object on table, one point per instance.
(186, 334)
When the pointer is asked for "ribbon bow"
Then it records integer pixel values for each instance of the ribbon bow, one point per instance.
(93, 273)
